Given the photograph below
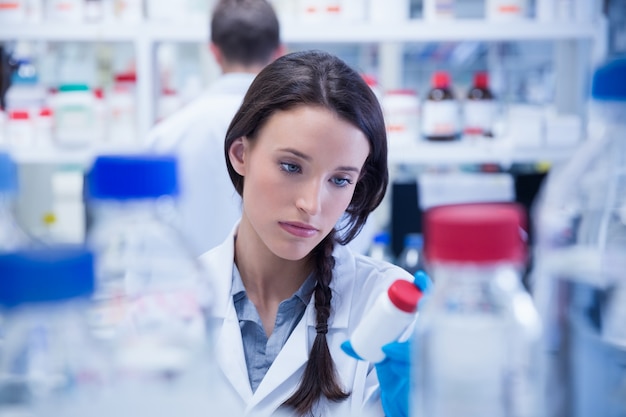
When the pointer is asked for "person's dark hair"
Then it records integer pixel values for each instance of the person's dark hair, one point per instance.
(315, 78)
(246, 31)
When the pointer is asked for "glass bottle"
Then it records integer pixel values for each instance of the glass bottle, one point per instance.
(380, 248)
(410, 258)
(12, 236)
(48, 359)
(578, 278)
(476, 344)
(151, 295)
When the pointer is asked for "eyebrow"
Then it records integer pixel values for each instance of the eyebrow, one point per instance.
(308, 158)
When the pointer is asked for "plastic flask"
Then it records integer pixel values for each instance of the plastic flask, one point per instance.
(480, 108)
(392, 313)
(410, 258)
(440, 112)
(477, 341)
(151, 296)
(580, 258)
(47, 356)
(380, 248)
(12, 236)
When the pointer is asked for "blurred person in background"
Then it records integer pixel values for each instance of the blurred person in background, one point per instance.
(245, 37)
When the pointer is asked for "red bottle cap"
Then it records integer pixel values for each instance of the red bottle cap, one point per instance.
(404, 295)
(441, 79)
(19, 115)
(45, 112)
(481, 79)
(479, 233)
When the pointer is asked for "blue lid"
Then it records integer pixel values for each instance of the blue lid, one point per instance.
(382, 237)
(8, 173)
(45, 274)
(609, 81)
(414, 240)
(128, 177)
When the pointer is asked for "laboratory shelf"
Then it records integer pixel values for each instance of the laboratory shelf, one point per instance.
(106, 32)
(496, 152)
(421, 31)
(307, 32)
(82, 156)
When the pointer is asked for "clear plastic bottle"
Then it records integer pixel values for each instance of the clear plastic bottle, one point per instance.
(12, 236)
(47, 356)
(410, 258)
(380, 248)
(580, 257)
(477, 341)
(151, 294)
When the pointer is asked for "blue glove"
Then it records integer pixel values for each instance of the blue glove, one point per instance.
(394, 372)
(394, 377)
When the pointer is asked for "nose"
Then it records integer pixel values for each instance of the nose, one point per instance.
(310, 197)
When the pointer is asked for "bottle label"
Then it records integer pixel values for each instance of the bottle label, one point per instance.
(479, 117)
(440, 118)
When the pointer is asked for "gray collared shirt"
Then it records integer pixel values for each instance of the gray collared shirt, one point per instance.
(260, 351)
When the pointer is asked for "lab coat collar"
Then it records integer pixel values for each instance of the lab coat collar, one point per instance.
(219, 262)
(231, 83)
(294, 355)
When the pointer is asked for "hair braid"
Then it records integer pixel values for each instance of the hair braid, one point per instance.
(319, 376)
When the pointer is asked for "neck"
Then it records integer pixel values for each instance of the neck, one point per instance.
(266, 277)
(231, 68)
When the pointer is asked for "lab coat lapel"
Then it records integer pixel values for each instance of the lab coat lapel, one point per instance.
(295, 353)
(223, 317)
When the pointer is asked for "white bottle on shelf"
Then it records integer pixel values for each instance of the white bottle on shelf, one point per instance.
(20, 129)
(65, 10)
(506, 10)
(402, 118)
(12, 11)
(73, 108)
(436, 10)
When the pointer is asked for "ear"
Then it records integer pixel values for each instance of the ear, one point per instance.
(217, 53)
(236, 154)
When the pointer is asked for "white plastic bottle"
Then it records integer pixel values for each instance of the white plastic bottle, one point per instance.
(477, 340)
(151, 295)
(392, 314)
(579, 263)
(46, 358)
(402, 118)
(506, 10)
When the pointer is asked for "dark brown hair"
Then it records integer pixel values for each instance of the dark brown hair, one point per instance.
(316, 78)
(246, 31)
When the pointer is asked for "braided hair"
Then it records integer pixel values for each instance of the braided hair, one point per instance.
(319, 79)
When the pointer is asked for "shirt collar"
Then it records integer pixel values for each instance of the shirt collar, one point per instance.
(303, 293)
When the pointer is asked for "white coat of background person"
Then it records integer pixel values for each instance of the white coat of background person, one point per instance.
(245, 36)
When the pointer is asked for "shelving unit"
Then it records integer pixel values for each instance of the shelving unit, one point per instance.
(574, 39)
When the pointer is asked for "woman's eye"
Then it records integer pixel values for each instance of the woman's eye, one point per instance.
(341, 182)
(289, 168)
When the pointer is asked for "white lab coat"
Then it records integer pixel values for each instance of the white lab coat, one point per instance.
(357, 282)
(208, 204)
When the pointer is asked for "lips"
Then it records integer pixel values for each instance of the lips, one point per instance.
(299, 229)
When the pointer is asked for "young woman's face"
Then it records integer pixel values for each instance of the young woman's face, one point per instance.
(299, 177)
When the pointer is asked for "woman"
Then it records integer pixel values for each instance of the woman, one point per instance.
(307, 145)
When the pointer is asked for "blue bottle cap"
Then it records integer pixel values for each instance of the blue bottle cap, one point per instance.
(414, 240)
(382, 237)
(45, 274)
(129, 177)
(609, 81)
(8, 173)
